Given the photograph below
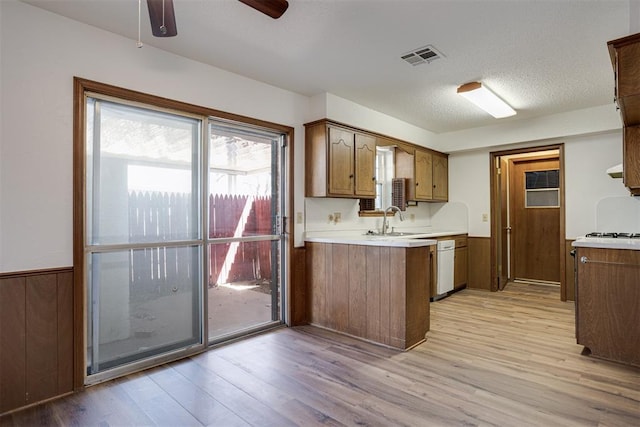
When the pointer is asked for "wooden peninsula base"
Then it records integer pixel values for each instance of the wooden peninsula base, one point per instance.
(377, 293)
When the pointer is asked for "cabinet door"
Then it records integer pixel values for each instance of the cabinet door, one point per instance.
(423, 173)
(365, 179)
(460, 267)
(440, 177)
(631, 155)
(607, 298)
(405, 168)
(341, 162)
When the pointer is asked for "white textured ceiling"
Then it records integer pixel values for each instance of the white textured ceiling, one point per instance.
(543, 57)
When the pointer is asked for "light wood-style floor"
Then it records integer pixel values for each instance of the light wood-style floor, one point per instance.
(504, 359)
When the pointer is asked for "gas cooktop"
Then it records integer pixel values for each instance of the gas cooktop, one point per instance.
(611, 235)
(609, 240)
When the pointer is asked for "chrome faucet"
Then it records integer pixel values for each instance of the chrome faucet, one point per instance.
(384, 221)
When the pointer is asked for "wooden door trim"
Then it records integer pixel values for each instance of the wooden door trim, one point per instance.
(495, 212)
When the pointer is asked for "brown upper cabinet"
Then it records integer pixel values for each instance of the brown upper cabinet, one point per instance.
(625, 58)
(440, 177)
(426, 172)
(340, 161)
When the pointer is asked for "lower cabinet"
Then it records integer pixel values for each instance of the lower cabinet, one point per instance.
(36, 336)
(460, 264)
(608, 303)
(377, 293)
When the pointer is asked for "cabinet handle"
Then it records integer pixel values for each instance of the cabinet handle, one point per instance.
(351, 176)
(373, 179)
(417, 184)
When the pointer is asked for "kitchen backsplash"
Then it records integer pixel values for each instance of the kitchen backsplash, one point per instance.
(618, 214)
(433, 216)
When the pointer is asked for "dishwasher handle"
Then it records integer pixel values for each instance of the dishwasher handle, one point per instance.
(444, 245)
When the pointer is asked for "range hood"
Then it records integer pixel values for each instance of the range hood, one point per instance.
(615, 171)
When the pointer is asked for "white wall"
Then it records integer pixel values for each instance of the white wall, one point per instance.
(41, 53)
(1, 126)
(469, 184)
(593, 120)
(586, 184)
(345, 111)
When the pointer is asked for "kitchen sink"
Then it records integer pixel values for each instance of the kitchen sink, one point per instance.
(390, 234)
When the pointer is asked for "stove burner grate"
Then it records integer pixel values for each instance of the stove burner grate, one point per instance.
(610, 235)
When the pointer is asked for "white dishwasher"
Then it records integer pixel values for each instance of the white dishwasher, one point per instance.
(446, 249)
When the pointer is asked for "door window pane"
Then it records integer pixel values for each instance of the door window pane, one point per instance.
(543, 198)
(142, 175)
(542, 189)
(143, 192)
(143, 302)
(542, 179)
(244, 290)
(244, 210)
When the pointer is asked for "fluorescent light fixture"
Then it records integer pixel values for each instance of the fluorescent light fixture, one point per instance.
(485, 99)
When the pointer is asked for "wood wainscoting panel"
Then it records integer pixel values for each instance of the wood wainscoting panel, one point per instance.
(479, 262)
(42, 337)
(12, 343)
(338, 296)
(316, 259)
(299, 293)
(357, 290)
(417, 288)
(65, 332)
(376, 293)
(397, 296)
(36, 336)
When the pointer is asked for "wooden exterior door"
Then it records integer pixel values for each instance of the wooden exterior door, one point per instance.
(535, 220)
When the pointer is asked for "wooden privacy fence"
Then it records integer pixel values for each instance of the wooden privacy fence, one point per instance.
(156, 217)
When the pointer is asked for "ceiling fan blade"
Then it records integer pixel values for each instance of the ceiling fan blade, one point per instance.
(272, 8)
(162, 26)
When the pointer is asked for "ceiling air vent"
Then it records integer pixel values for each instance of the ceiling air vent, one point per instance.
(422, 55)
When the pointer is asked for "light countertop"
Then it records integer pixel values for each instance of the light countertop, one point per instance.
(607, 243)
(416, 239)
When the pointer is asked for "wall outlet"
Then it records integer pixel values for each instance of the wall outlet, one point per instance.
(337, 216)
(298, 217)
(485, 217)
(412, 217)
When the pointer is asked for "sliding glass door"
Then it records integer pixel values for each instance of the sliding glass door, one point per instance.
(245, 230)
(183, 233)
(143, 238)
